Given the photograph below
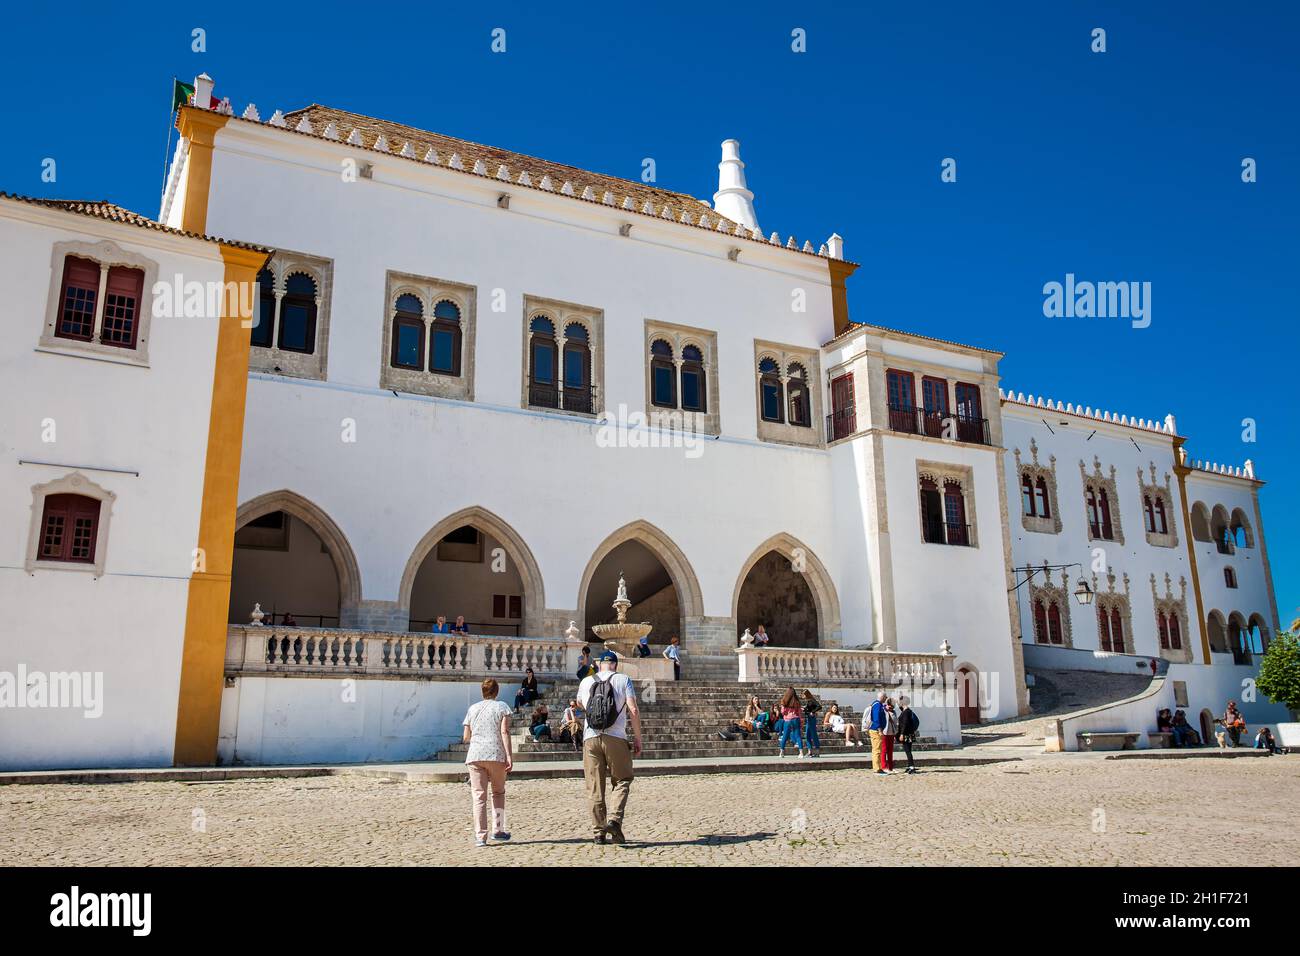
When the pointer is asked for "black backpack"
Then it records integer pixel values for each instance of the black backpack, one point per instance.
(602, 706)
(913, 724)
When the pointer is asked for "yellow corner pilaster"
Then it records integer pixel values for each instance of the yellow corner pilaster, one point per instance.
(198, 708)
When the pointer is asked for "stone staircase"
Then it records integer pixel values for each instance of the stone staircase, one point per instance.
(679, 720)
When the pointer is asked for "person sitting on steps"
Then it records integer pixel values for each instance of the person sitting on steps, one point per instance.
(836, 724)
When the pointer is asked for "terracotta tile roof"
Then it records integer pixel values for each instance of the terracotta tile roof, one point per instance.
(858, 326)
(634, 198)
(103, 209)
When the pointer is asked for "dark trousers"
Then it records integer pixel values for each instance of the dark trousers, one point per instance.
(907, 749)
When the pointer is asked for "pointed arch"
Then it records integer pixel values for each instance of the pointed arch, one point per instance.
(516, 549)
(815, 574)
(690, 600)
(345, 559)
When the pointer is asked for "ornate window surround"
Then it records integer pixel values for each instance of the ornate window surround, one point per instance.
(1050, 594)
(1165, 494)
(1100, 481)
(785, 355)
(1176, 607)
(1111, 600)
(279, 361)
(708, 422)
(943, 473)
(430, 291)
(1036, 471)
(107, 254)
(561, 315)
(73, 483)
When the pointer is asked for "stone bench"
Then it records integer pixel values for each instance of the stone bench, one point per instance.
(1116, 740)
(1160, 739)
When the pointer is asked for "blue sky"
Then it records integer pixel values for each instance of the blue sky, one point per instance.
(1124, 165)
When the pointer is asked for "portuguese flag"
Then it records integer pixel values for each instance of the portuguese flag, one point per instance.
(181, 93)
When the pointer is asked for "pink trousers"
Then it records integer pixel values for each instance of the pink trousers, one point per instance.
(485, 775)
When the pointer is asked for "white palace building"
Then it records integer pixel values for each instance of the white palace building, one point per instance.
(242, 480)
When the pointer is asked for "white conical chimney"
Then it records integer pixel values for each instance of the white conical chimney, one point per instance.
(733, 199)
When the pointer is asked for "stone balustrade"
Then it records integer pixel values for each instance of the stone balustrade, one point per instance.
(861, 667)
(252, 649)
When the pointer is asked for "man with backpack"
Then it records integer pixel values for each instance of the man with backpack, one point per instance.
(608, 698)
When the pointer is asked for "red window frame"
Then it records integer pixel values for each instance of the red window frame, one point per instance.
(81, 282)
(1116, 631)
(69, 529)
(1175, 633)
(1103, 629)
(1054, 632)
(123, 304)
(1040, 622)
(1027, 495)
(1044, 505)
(969, 403)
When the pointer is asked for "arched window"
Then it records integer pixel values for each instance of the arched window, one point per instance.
(542, 363)
(265, 327)
(1040, 621)
(1044, 509)
(1163, 620)
(69, 524)
(577, 368)
(1175, 633)
(1161, 522)
(1240, 530)
(408, 333)
(445, 339)
(1149, 513)
(1116, 631)
(1229, 578)
(800, 409)
(694, 387)
(298, 314)
(771, 392)
(1027, 494)
(663, 375)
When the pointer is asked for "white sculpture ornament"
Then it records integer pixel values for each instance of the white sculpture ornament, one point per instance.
(747, 639)
(255, 619)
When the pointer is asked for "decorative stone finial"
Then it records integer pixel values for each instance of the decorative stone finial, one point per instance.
(571, 633)
(945, 648)
(255, 619)
(747, 639)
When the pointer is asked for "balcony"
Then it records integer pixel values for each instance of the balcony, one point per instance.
(582, 399)
(920, 421)
(841, 424)
(948, 532)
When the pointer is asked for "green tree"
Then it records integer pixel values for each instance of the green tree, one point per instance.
(1279, 671)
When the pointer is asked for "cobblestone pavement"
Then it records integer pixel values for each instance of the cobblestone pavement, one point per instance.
(1059, 811)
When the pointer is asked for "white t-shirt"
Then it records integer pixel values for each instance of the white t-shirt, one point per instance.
(623, 692)
(484, 723)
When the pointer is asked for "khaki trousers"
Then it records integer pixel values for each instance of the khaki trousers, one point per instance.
(485, 774)
(606, 756)
(875, 736)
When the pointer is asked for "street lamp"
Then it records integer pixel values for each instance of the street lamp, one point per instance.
(1082, 593)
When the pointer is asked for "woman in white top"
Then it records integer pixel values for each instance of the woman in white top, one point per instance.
(489, 759)
(836, 723)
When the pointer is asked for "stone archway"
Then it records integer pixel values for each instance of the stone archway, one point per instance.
(517, 551)
(323, 526)
(690, 601)
(814, 574)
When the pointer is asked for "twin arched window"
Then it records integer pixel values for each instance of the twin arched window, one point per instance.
(784, 401)
(1153, 507)
(1171, 637)
(1099, 523)
(410, 332)
(550, 384)
(288, 321)
(1033, 496)
(1110, 629)
(1047, 622)
(665, 376)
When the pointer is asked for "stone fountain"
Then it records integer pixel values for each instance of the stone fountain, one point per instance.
(622, 635)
